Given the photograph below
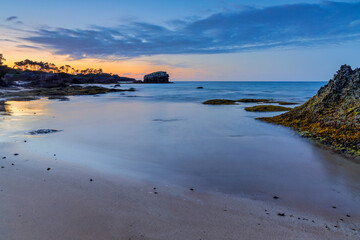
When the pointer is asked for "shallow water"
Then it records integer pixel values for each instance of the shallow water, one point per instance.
(162, 133)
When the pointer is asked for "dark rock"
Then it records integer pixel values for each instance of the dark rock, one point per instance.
(199, 88)
(91, 179)
(51, 80)
(267, 108)
(44, 131)
(191, 189)
(48, 169)
(157, 77)
(15, 154)
(60, 98)
(281, 214)
(276, 197)
(261, 100)
(332, 116)
(220, 102)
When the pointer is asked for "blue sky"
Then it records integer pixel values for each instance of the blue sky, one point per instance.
(193, 40)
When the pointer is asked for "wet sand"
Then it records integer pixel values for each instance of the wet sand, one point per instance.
(63, 203)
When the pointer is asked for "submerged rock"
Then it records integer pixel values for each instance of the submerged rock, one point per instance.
(220, 102)
(267, 108)
(261, 100)
(44, 131)
(332, 116)
(59, 92)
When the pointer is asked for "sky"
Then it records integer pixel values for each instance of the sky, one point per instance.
(198, 40)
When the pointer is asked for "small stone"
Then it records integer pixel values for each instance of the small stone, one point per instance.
(2, 167)
(155, 192)
(91, 179)
(347, 215)
(25, 141)
(154, 188)
(276, 197)
(15, 154)
(191, 189)
(3, 157)
(12, 164)
(48, 169)
(334, 207)
(281, 214)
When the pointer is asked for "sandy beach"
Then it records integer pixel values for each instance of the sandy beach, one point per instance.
(63, 203)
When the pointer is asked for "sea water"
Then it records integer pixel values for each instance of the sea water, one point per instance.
(162, 133)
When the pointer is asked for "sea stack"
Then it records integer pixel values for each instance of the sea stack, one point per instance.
(157, 77)
(332, 116)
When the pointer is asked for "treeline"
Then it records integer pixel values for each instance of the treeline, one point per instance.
(41, 66)
(52, 68)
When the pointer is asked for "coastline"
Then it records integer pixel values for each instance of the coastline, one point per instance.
(63, 203)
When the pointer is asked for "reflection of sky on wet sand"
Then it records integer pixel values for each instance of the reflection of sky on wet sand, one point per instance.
(217, 148)
(18, 114)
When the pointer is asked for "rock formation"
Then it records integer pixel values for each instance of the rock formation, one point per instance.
(332, 116)
(157, 77)
(44, 79)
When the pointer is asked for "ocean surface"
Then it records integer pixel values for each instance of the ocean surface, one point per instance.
(163, 134)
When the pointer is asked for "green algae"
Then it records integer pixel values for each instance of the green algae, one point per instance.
(220, 102)
(267, 108)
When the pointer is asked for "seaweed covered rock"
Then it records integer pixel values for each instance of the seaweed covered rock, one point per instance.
(157, 77)
(220, 102)
(267, 108)
(332, 116)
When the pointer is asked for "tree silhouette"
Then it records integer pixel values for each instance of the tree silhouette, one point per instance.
(2, 59)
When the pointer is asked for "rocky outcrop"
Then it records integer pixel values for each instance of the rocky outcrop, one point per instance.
(157, 77)
(332, 116)
(49, 80)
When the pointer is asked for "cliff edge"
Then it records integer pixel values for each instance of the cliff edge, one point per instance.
(332, 115)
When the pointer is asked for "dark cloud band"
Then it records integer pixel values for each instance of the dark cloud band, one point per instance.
(226, 32)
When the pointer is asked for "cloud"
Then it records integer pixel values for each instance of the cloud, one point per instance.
(28, 46)
(11, 18)
(246, 29)
(6, 40)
